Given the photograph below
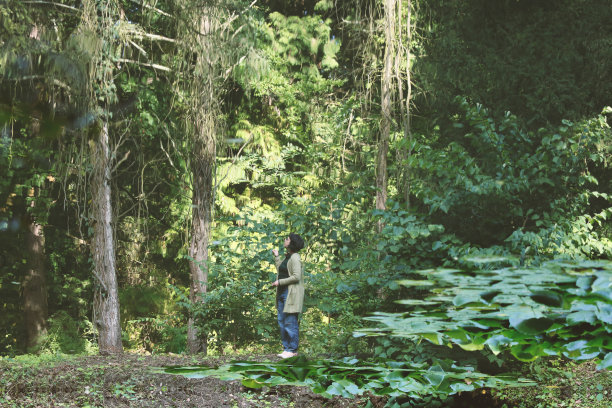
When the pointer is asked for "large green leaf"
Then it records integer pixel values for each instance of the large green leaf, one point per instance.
(535, 325)
(435, 375)
(533, 312)
(350, 377)
(606, 362)
(547, 297)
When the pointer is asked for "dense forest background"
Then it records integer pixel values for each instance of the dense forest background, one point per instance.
(152, 153)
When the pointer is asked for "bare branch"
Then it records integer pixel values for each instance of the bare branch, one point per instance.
(28, 77)
(142, 3)
(158, 37)
(100, 281)
(50, 3)
(144, 64)
(138, 47)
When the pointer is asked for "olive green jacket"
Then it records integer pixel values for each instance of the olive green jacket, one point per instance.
(294, 283)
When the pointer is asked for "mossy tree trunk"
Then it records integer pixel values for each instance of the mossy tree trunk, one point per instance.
(35, 307)
(106, 301)
(385, 104)
(204, 124)
(99, 18)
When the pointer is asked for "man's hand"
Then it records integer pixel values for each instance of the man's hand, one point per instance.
(275, 252)
(275, 283)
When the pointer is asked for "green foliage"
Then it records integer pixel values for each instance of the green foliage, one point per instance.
(301, 123)
(282, 119)
(350, 377)
(324, 5)
(304, 42)
(237, 315)
(10, 273)
(142, 300)
(323, 333)
(26, 196)
(66, 335)
(345, 261)
(562, 384)
(542, 63)
(560, 308)
(485, 181)
(348, 260)
(150, 321)
(155, 334)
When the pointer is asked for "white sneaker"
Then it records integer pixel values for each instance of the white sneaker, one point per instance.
(287, 354)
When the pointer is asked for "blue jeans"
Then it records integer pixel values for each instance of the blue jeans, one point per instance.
(288, 323)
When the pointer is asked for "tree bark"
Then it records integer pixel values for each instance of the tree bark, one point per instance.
(99, 17)
(106, 298)
(35, 306)
(204, 107)
(403, 179)
(408, 116)
(385, 104)
(202, 168)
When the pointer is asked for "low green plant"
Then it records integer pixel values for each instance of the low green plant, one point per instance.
(563, 383)
(125, 390)
(561, 308)
(45, 373)
(350, 377)
(321, 334)
(65, 335)
(156, 334)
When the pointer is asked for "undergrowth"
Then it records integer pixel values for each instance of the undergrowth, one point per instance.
(562, 384)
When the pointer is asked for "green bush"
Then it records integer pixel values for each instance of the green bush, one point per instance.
(66, 335)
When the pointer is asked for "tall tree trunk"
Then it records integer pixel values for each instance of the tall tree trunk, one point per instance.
(202, 168)
(403, 179)
(385, 97)
(99, 17)
(34, 285)
(408, 116)
(106, 298)
(204, 108)
(35, 306)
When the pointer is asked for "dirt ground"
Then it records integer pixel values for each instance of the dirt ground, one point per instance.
(134, 381)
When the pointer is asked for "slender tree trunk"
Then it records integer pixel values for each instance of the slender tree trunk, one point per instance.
(403, 180)
(385, 126)
(35, 306)
(204, 108)
(408, 116)
(106, 300)
(34, 286)
(99, 17)
(200, 236)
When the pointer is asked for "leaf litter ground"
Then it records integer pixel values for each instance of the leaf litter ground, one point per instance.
(132, 380)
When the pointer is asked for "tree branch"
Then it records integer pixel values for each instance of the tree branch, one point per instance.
(50, 3)
(144, 64)
(28, 77)
(158, 37)
(142, 3)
